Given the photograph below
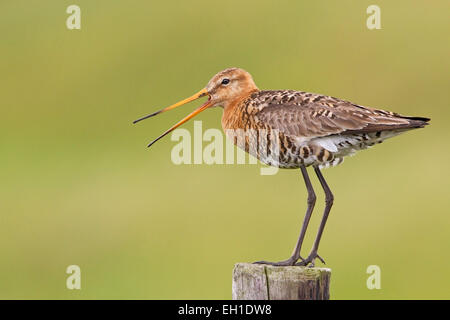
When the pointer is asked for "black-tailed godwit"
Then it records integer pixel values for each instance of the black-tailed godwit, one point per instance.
(305, 129)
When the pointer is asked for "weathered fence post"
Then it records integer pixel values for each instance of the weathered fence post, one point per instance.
(264, 282)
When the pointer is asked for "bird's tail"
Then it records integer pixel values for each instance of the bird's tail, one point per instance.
(416, 122)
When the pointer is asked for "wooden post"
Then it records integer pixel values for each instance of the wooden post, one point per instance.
(264, 282)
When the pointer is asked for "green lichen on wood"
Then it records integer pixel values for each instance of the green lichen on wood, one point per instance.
(296, 273)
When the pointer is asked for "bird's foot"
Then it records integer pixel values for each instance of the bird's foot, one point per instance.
(310, 261)
(289, 262)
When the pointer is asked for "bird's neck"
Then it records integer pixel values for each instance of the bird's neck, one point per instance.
(232, 114)
(238, 99)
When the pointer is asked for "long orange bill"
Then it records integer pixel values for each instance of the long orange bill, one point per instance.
(199, 94)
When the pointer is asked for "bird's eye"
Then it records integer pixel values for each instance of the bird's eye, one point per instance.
(225, 81)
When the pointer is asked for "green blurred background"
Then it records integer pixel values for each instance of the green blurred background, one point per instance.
(78, 185)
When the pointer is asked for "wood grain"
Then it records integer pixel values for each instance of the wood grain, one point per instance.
(263, 282)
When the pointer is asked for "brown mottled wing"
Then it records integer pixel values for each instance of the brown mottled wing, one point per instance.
(310, 115)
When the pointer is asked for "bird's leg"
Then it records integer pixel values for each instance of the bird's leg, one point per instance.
(329, 198)
(311, 202)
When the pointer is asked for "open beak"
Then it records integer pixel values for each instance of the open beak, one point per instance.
(203, 107)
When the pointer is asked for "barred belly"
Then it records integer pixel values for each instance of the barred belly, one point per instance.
(285, 152)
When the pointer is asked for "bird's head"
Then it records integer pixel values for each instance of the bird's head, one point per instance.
(223, 89)
(228, 85)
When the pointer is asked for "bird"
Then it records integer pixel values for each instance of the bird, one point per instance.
(292, 129)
